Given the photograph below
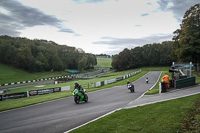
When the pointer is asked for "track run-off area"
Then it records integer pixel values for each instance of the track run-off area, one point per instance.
(64, 114)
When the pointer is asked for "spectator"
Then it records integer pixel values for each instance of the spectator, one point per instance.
(166, 80)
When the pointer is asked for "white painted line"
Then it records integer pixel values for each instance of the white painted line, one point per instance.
(145, 91)
(93, 120)
(162, 100)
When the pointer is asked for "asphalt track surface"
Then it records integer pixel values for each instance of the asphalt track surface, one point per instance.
(62, 115)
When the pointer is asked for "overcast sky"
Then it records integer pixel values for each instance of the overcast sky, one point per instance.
(96, 26)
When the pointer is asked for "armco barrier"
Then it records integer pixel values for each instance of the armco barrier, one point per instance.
(101, 83)
(185, 82)
(43, 79)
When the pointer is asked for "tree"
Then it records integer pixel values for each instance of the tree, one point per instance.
(149, 55)
(187, 39)
(121, 62)
(82, 63)
(136, 58)
(91, 60)
(166, 54)
(25, 58)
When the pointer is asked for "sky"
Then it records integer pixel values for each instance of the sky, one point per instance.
(96, 26)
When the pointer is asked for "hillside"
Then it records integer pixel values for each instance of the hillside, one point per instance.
(104, 62)
(10, 74)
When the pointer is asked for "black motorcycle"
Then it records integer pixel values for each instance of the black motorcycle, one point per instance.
(131, 87)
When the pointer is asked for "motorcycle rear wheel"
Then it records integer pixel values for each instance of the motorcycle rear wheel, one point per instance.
(132, 90)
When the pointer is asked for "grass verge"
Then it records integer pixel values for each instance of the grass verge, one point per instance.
(197, 74)
(192, 122)
(163, 117)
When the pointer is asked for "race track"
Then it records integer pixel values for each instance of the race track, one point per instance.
(62, 115)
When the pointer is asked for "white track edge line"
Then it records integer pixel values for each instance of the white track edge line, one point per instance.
(147, 90)
(162, 100)
(93, 120)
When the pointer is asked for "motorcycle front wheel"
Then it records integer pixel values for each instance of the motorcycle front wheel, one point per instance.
(76, 99)
(86, 98)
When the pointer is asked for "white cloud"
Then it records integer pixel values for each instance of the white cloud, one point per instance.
(4, 11)
(83, 24)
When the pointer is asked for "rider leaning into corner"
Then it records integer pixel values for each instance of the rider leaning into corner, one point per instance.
(79, 87)
(128, 82)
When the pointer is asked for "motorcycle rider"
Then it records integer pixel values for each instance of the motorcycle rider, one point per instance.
(79, 87)
(128, 82)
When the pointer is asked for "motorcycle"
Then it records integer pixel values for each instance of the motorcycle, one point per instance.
(147, 80)
(79, 97)
(131, 87)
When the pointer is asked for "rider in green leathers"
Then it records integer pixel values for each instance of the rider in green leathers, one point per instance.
(79, 87)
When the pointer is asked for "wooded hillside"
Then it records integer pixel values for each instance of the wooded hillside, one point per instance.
(42, 55)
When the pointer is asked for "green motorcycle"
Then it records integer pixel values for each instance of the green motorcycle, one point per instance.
(79, 97)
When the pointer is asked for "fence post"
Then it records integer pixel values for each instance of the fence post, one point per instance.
(190, 69)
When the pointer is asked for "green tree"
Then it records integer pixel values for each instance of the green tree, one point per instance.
(187, 39)
(136, 59)
(122, 61)
(25, 58)
(82, 63)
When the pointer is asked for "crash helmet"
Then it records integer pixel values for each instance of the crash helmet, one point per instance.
(76, 83)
